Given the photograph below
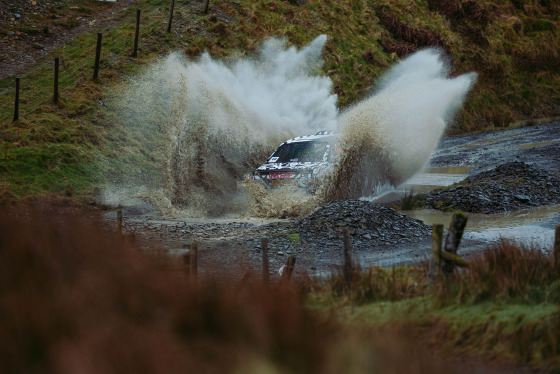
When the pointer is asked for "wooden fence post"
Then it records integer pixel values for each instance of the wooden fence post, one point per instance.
(206, 6)
(435, 262)
(119, 222)
(194, 259)
(347, 255)
(187, 260)
(55, 93)
(454, 235)
(287, 273)
(557, 245)
(97, 55)
(16, 101)
(171, 7)
(136, 34)
(264, 249)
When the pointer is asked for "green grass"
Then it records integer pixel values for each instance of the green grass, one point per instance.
(516, 333)
(49, 169)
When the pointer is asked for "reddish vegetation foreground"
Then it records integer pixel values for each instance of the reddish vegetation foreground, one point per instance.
(76, 297)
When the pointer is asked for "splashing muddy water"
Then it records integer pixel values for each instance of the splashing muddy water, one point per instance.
(390, 136)
(223, 119)
(216, 121)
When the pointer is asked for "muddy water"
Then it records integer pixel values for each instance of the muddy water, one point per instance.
(529, 226)
(425, 181)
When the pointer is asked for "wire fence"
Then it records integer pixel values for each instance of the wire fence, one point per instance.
(77, 59)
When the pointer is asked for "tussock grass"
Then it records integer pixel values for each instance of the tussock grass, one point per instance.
(376, 284)
(410, 201)
(504, 306)
(508, 272)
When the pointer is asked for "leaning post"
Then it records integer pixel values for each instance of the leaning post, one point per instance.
(557, 245)
(264, 249)
(347, 255)
(194, 260)
(435, 256)
(171, 7)
(97, 56)
(186, 254)
(136, 34)
(454, 235)
(119, 222)
(55, 93)
(187, 262)
(16, 101)
(287, 273)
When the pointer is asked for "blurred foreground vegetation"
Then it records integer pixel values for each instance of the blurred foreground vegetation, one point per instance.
(76, 296)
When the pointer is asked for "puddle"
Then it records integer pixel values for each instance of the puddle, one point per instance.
(431, 178)
(488, 141)
(529, 226)
(425, 181)
(535, 145)
(449, 170)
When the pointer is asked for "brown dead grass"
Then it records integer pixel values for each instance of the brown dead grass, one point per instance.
(509, 272)
(75, 297)
(409, 39)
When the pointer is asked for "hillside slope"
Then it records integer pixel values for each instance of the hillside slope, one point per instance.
(512, 44)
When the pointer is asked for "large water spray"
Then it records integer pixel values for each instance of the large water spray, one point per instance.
(223, 119)
(389, 137)
(219, 120)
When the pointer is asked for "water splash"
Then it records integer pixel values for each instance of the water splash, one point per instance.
(212, 122)
(390, 136)
(223, 119)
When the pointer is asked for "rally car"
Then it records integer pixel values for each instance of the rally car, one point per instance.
(301, 161)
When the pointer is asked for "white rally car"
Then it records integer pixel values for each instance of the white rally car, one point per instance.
(301, 161)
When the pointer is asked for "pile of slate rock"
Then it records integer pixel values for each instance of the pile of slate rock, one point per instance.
(508, 187)
(369, 224)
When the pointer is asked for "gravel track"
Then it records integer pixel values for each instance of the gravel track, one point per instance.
(379, 235)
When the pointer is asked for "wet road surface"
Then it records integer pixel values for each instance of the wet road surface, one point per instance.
(232, 245)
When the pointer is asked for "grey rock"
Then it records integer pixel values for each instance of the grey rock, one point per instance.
(522, 198)
(508, 187)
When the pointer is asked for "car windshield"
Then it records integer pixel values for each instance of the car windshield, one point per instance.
(300, 152)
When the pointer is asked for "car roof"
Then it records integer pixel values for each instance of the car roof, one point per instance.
(323, 134)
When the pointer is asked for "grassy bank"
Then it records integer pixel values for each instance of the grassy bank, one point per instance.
(80, 143)
(505, 307)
